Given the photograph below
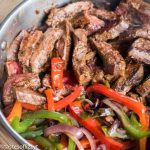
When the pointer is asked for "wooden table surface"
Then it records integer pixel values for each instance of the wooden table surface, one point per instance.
(6, 140)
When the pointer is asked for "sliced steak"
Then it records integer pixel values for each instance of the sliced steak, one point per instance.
(88, 22)
(140, 51)
(63, 45)
(81, 55)
(134, 33)
(113, 32)
(98, 76)
(29, 96)
(13, 68)
(144, 88)
(113, 62)
(58, 15)
(133, 76)
(12, 51)
(43, 53)
(27, 47)
(28, 80)
(104, 14)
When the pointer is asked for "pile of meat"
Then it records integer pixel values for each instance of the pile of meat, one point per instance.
(98, 45)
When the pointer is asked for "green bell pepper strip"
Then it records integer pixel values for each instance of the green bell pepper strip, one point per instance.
(44, 143)
(51, 115)
(32, 134)
(134, 121)
(132, 131)
(21, 126)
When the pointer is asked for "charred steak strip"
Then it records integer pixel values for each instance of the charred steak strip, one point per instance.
(133, 76)
(80, 57)
(104, 14)
(57, 16)
(25, 95)
(144, 88)
(14, 47)
(113, 62)
(28, 80)
(28, 45)
(44, 52)
(113, 32)
(140, 51)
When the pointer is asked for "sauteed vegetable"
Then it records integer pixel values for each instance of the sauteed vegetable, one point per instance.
(81, 80)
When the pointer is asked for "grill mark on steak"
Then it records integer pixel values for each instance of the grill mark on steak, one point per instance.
(43, 53)
(12, 51)
(140, 51)
(58, 15)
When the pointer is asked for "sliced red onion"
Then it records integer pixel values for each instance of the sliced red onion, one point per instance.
(90, 138)
(61, 128)
(80, 147)
(101, 147)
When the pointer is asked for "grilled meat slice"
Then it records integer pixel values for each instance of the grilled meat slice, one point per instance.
(43, 53)
(113, 62)
(144, 88)
(113, 32)
(28, 45)
(13, 68)
(28, 80)
(88, 22)
(29, 96)
(133, 76)
(58, 15)
(12, 51)
(140, 51)
(104, 14)
(63, 45)
(98, 76)
(81, 55)
(134, 33)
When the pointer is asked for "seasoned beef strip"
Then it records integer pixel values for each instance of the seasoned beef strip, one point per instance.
(113, 32)
(113, 62)
(44, 52)
(81, 55)
(29, 96)
(26, 80)
(133, 76)
(140, 51)
(63, 45)
(12, 51)
(13, 68)
(88, 22)
(58, 15)
(134, 33)
(144, 88)
(28, 45)
(104, 14)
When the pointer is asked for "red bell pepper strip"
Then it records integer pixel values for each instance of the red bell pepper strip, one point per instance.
(95, 128)
(57, 67)
(68, 100)
(29, 106)
(50, 101)
(131, 103)
(15, 112)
